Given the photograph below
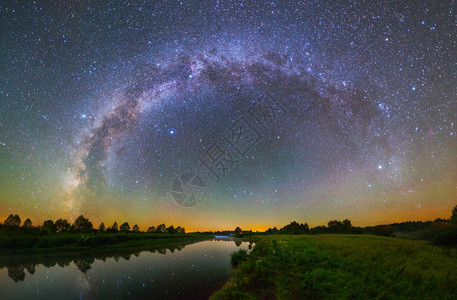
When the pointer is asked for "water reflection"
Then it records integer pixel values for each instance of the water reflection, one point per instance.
(182, 271)
(237, 241)
(17, 265)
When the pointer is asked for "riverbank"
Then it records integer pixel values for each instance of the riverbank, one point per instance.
(343, 266)
(83, 259)
(23, 245)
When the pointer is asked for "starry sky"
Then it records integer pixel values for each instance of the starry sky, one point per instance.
(348, 109)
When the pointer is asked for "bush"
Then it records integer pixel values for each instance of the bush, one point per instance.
(42, 242)
(383, 230)
(448, 237)
(238, 257)
(26, 242)
(358, 230)
(55, 241)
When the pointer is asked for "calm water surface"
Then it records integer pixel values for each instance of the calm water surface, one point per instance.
(192, 271)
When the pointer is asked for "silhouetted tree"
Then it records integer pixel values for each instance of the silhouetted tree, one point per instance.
(295, 228)
(101, 227)
(151, 229)
(180, 230)
(12, 221)
(125, 227)
(347, 226)
(114, 228)
(83, 224)
(49, 225)
(62, 225)
(272, 230)
(238, 231)
(135, 228)
(161, 228)
(454, 216)
(439, 220)
(27, 223)
(335, 226)
(170, 229)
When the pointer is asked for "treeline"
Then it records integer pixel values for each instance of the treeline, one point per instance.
(15, 236)
(334, 226)
(80, 225)
(439, 231)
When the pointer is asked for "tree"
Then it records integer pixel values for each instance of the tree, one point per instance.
(335, 226)
(238, 231)
(151, 229)
(319, 230)
(125, 227)
(305, 227)
(180, 230)
(271, 230)
(49, 225)
(62, 225)
(83, 224)
(27, 223)
(101, 227)
(295, 228)
(12, 221)
(113, 228)
(170, 229)
(454, 216)
(347, 226)
(161, 228)
(135, 228)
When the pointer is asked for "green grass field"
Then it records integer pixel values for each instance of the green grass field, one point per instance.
(341, 267)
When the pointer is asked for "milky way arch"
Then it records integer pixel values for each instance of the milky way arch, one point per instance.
(344, 116)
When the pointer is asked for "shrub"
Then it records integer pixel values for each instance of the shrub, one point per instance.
(358, 230)
(448, 237)
(238, 257)
(26, 242)
(55, 241)
(42, 242)
(384, 230)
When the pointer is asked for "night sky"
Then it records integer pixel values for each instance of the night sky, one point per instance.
(343, 109)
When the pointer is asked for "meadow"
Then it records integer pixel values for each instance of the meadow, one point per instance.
(342, 266)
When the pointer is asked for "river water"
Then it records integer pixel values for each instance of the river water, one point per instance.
(192, 271)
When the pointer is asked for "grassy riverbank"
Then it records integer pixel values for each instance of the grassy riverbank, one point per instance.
(74, 242)
(343, 266)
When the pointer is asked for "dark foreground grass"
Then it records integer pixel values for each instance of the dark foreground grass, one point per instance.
(342, 267)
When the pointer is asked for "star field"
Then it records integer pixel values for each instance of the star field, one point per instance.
(104, 104)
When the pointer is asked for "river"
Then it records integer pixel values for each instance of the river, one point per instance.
(181, 271)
